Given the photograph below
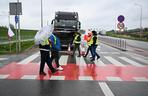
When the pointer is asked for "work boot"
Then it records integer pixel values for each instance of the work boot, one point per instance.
(98, 57)
(53, 71)
(42, 73)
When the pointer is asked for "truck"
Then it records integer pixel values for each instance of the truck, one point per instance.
(65, 25)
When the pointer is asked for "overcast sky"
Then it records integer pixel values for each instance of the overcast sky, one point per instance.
(92, 13)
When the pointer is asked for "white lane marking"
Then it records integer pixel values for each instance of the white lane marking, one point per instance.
(131, 61)
(29, 59)
(29, 77)
(57, 78)
(99, 63)
(80, 61)
(106, 90)
(141, 79)
(3, 76)
(3, 59)
(109, 53)
(63, 60)
(142, 60)
(114, 79)
(85, 78)
(113, 61)
(98, 48)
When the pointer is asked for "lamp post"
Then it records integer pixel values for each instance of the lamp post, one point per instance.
(140, 18)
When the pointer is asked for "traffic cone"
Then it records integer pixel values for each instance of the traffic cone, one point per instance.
(69, 48)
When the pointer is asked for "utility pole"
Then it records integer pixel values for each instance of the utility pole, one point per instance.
(141, 30)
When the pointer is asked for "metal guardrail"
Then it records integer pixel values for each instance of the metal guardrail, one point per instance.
(14, 41)
(115, 42)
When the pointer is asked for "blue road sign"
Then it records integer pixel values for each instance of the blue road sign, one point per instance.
(121, 18)
(16, 19)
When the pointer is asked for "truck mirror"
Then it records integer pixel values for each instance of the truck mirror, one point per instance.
(52, 21)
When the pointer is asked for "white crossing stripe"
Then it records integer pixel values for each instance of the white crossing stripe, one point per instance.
(114, 79)
(99, 63)
(29, 59)
(141, 79)
(113, 61)
(131, 61)
(85, 78)
(63, 60)
(3, 76)
(29, 77)
(109, 53)
(106, 90)
(57, 78)
(80, 61)
(142, 60)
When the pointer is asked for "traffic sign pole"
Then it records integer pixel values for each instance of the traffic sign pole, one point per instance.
(16, 9)
(19, 43)
(19, 35)
(16, 32)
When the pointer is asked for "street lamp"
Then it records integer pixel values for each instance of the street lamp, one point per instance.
(140, 18)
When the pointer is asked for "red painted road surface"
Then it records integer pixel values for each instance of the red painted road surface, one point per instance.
(73, 71)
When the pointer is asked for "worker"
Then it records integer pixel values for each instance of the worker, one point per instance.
(77, 41)
(94, 44)
(45, 56)
(89, 36)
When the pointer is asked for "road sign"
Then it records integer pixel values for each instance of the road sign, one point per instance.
(121, 18)
(16, 19)
(15, 8)
(120, 25)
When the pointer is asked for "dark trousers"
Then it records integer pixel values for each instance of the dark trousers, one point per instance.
(94, 53)
(55, 55)
(88, 49)
(76, 46)
(45, 58)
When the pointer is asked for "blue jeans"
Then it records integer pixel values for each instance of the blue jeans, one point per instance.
(94, 53)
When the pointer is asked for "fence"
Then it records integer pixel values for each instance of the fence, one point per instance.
(115, 42)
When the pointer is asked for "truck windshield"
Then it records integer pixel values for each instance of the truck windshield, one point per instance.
(68, 23)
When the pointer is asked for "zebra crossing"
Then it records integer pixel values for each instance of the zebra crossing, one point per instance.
(81, 61)
(107, 68)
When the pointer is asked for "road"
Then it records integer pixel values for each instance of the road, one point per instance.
(116, 73)
(137, 44)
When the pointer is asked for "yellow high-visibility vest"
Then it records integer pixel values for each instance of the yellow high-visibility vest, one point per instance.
(45, 42)
(97, 41)
(91, 41)
(75, 40)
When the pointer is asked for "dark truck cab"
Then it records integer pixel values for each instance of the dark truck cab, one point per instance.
(65, 24)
